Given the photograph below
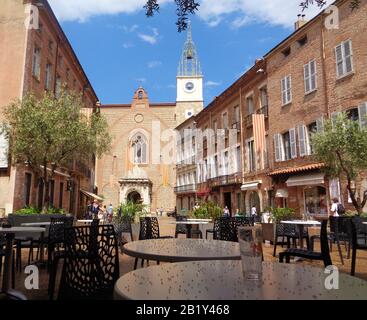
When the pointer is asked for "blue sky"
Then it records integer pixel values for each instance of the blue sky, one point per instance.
(120, 48)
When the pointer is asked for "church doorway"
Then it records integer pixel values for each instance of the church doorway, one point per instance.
(134, 197)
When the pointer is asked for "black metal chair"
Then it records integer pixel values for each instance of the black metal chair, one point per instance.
(123, 225)
(182, 228)
(225, 228)
(324, 255)
(91, 263)
(357, 243)
(2, 256)
(149, 229)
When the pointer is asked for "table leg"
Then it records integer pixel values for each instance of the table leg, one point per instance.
(42, 248)
(189, 233)
(300, 229)
(8, 261)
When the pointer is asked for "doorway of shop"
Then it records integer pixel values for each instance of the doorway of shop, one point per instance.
(227, 201)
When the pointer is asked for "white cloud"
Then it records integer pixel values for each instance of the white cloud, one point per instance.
(152, 39)
(274, 12)
(210, 83)
(130, 29)
(154, 64)
(82, 10)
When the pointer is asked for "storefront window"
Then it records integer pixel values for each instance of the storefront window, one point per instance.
(315, 201)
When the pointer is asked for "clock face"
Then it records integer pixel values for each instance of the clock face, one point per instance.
(189, 86)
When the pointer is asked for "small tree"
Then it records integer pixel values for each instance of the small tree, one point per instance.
(48, 133)
(342, 147)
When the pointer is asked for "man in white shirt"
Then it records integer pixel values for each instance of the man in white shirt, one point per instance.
(334, 207)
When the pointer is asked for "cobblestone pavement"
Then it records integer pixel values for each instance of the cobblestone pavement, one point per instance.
(166, 229)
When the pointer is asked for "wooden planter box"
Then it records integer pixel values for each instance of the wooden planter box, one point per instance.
(268, 231)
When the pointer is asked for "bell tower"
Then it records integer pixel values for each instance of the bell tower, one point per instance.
(190, 99)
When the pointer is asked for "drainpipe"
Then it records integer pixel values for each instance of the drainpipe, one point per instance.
(323, 65)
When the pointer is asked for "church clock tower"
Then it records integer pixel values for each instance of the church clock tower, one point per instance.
(190, 99)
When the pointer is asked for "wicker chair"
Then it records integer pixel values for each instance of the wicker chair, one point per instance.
(357, 242)
(324, 255)
(91, 264)
(182, 229)
(225, 228)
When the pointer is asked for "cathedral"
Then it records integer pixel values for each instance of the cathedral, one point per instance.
(135, 170)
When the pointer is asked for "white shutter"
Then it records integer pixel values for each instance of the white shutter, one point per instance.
(362, 113)
(306, 72)
(289, 89)
(339, 60)
(301, 141)
(320, 124)
(293, 143)
(283, 89)
(313, 75)
(277, 148)
(334, 116)
(347, 45)
(4, 146)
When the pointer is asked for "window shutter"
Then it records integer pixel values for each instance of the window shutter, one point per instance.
(277, 148)
(283, 89)
(339, 60)
(293, 143)
(301, 140)
(289, 89)
(313, 82)
(307, 78)
(334, 116)
(320, 124)
(362, 112)
(348, 56)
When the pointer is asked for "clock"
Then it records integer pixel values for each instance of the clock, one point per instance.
(189, 86)
(189, 113)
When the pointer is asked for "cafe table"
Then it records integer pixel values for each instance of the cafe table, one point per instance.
(10, 233)
(189, 225)
(181, 249)
(300, 225)
(224, 280)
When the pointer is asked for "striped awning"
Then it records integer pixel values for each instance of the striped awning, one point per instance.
(297, 169)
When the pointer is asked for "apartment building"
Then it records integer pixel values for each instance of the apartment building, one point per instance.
(38, 57)
(316, 72)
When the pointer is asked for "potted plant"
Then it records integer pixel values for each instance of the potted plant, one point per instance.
(207, 210)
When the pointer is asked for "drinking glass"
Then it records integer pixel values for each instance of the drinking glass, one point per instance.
(250, 240)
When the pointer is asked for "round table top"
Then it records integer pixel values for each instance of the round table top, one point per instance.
(302, 222)
(189, 222)
(223, 280)
(22, 229)
(31, 224)
(178, 249)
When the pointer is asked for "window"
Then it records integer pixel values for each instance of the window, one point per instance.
(286, 90)
(48, 76)
(61, 194)
(344, 58)
(309, 70)
(226, 163)
(238, 159)
(225, 120)
(286, 52)
(36, 69)
(139, 146)
(287, 146)
(359, 114)
(50, 45)
(27, 189)
(140, 95)
(236, 114)
(264, 97)
(251, 156)
(58, 86)
(250, 105)
(52, 192)
(302, 41)
(303, 140)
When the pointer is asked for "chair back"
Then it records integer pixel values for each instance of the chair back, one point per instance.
(95, 223)
(149, 228)
(181, 228)
(91, 266)
(57, 227)
(225, 228)
(324, 241)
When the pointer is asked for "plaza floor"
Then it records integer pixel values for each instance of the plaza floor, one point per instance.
(127, 263)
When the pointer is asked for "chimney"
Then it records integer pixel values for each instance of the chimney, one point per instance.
(300, 22)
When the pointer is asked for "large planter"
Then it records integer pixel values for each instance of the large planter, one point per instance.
(268, 231)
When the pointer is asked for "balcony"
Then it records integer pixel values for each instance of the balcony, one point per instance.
(235, 178)
(264, 110)
(189, 188)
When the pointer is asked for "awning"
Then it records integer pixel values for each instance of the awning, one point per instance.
(251, 185)
(91, 195)
(306, 180)
(308, 167)
(281, 193)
